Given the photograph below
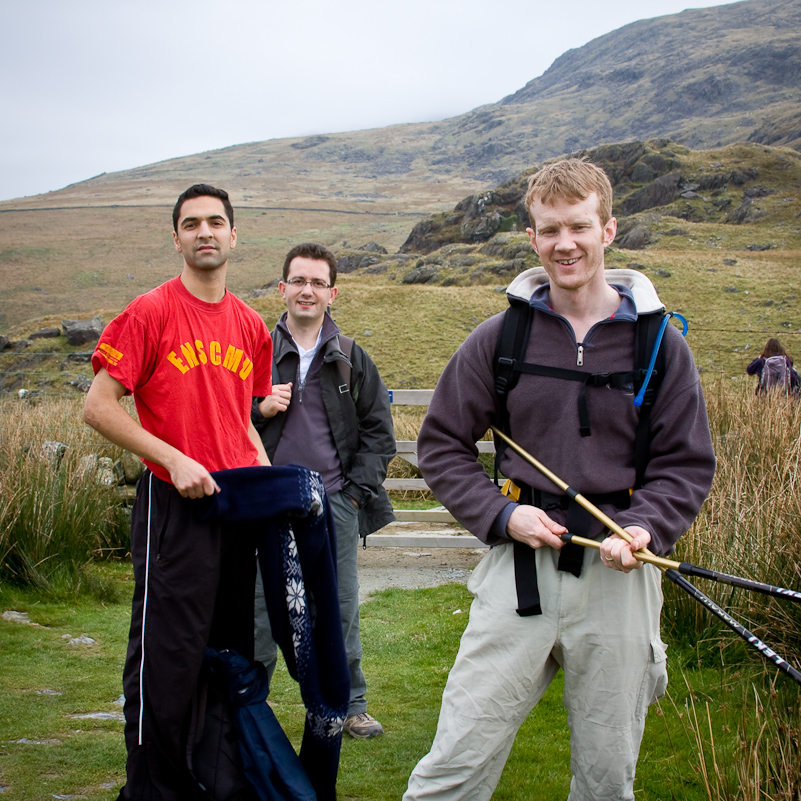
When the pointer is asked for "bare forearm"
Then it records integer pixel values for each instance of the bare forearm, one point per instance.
(103, 412)
(256, 439)
(117, 426)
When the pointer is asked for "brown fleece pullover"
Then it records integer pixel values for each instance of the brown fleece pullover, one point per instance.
(543, 414)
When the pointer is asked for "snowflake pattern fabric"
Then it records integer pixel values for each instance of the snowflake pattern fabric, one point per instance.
(297, 548)
(324, 722)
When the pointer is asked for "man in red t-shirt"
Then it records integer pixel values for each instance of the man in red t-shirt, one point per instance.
(193, 356)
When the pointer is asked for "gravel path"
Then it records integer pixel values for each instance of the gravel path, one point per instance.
(412, 568)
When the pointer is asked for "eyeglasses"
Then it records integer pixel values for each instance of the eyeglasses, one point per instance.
(299, 283)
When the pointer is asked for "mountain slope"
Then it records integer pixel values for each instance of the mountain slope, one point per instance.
(716, 231)
(704, 78)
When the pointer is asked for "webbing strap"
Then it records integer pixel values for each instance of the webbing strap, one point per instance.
(528, 591)
(621, 380)
(578, 521)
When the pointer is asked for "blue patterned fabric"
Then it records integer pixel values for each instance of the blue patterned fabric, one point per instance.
(289, 509)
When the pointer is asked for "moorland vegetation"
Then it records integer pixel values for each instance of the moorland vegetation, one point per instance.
(729, 726)
(705, 78)
(716, 230)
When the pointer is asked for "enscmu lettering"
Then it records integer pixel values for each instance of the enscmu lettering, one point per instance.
(196, 354)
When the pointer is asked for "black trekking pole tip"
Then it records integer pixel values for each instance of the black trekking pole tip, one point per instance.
(566, 537)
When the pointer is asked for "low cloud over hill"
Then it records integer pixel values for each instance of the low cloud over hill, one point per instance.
(704, 78)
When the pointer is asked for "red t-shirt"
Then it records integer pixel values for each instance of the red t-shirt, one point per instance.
(193, 368)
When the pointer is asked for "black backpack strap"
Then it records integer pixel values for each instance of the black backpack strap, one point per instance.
(646, 332)
(507, 367)
(509, 351)
(508, 364)
(620, 380)
(345, 369)
(511, 346)
(578, 521)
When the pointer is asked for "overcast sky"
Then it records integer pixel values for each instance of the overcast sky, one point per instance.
(91, 86)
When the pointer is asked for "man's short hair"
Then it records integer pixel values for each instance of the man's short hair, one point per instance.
(573, 180)
(316, 251)
(202, 190)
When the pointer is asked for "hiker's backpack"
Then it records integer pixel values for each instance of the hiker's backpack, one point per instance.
(775, 375)
(644, 378)
(212, 750)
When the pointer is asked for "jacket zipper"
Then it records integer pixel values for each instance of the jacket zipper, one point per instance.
(580, 356)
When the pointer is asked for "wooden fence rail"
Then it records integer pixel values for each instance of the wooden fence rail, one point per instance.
(407, 450)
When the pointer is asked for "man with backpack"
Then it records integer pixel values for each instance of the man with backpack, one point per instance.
(329, 411)
(540, 605)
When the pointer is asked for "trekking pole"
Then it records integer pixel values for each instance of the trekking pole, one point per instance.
(568, 490)
(699, 572)
(667, 565)
(683, 567)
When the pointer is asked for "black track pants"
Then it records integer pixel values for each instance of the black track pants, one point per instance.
(194, 587)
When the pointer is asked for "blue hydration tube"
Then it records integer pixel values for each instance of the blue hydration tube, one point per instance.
(641, 394)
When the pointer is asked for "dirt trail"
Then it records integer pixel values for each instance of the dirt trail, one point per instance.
(412, 568)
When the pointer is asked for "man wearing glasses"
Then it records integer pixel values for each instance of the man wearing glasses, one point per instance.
(329, 411)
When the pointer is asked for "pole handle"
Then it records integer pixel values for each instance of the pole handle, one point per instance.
(649, 558)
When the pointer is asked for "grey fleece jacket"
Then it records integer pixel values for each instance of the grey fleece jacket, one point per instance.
(543, 414)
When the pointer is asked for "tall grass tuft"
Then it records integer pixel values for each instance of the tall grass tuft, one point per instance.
(750, 526)
(407, 425)
(746, 735)
(55, 517)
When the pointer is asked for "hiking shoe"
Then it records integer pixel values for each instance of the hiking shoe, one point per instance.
(363, 726)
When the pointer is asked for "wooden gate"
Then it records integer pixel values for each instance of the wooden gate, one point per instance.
(407, 450)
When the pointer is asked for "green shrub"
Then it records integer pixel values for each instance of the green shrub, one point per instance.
(55, 517)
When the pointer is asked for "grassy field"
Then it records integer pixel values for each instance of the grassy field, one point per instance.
(61, 737)
(733, 298)
(728, 728)
(736, 283)
(411, 331)
(59, 263)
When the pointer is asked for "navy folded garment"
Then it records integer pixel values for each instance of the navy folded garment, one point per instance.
(269, 761)
(290, 512)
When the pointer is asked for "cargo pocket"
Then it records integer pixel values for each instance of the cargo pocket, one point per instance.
(655, 679)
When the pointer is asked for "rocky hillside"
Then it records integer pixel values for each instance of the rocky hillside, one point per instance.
(704, 78)
(663, 192)
(716, 231)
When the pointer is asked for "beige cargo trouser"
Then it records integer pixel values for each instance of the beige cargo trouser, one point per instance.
(602, 629)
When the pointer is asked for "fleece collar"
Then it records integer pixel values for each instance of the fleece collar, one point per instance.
(329, 340)
(643, 292)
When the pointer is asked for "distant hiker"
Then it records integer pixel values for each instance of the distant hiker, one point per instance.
(193, 356)
(539, 606)
(330, 412)
(775, 370)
